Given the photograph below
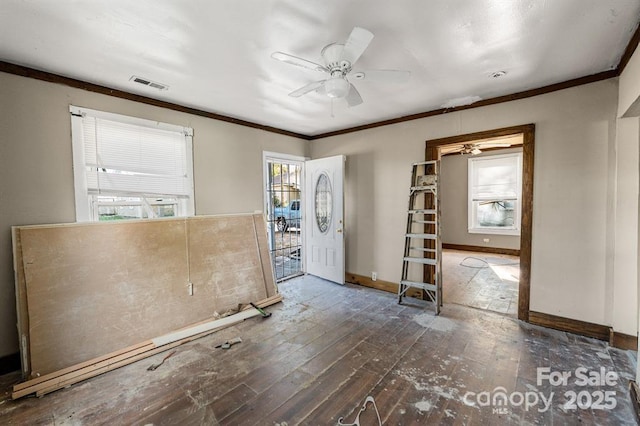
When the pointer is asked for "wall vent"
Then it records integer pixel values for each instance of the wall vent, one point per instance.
(149, 83)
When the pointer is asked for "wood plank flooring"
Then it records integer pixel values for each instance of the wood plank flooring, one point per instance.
(325, 349)
(481, 280)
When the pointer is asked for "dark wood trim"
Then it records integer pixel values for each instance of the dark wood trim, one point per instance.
(628, 52)
(526, 220)
(10, 363)
(23, 71)
(597, 331)
(623, 341)
(485, 134)
(506, 98)
(91, 87)
(481, 249)
(387, 286)
(368, 282)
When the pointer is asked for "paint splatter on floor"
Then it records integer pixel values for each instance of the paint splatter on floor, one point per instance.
(423, 406)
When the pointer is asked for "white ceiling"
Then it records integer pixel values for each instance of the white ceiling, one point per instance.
(215, 54)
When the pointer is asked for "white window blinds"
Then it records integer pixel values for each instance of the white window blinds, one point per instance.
(495, 178)
(124, 155)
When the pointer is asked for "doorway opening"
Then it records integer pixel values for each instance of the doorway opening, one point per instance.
(481, 280)
(481, 187)
(483, 266)
(284, 207)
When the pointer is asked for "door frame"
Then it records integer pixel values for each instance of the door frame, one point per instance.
(269, 156)
(432, 152)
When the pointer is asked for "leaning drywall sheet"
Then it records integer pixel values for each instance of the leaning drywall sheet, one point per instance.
(93, 289)
(222, 251)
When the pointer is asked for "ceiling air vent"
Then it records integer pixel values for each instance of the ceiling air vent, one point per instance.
(149, 83)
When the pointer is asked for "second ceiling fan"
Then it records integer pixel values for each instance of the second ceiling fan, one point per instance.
(474, 148)
(338, 63)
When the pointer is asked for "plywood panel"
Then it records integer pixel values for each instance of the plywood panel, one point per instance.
(265, 257)
(222, 250)
(93, 289)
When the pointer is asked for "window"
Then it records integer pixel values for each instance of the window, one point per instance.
(324, 205)
(130, 168)
(495, 187)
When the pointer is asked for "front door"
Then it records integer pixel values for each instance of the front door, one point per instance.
(324, 224)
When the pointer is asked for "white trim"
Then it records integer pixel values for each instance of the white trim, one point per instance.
(190, 203)
(83, 200)
(130, 120)
(287, 157)
(495, 231)
(275, 157)
(83, 209)
(471, 217)
(280, 158)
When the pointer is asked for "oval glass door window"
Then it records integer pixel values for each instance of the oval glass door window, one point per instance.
(324, 203)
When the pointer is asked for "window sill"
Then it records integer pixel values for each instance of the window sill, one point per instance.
(495, 231)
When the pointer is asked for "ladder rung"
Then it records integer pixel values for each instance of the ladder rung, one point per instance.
(423, 286)
(423, 260)
(427, 250)
(422, 211)
(429, 222)
(425, 163)
(422, 236)
(424, 188)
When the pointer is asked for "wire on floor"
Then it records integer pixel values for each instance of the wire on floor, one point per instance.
(487, 263)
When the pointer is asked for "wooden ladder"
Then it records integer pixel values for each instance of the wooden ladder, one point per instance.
(422, 260)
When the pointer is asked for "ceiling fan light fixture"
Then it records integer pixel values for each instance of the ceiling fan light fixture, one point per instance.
(336, 87)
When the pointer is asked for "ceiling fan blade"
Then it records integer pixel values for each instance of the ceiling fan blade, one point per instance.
(493, 145)
(294, 60)
(450, 149)
(353, 98)
(356, 44)
(308, 88)
(387, 76)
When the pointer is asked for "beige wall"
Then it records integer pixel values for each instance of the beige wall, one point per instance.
(454, 186)
(629, 95)
(37, 176)
(629, 106)
(578, 172)
(575, 129)
(625, 265)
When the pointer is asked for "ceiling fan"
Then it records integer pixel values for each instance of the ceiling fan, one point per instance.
(473, 148)
(338, 63)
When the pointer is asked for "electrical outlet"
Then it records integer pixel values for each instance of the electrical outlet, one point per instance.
(486, 240)
(374, 276)
(190, 287)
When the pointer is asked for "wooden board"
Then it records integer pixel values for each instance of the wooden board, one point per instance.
(21, 302)
(51, 382)
(92, 289)
(91, 368)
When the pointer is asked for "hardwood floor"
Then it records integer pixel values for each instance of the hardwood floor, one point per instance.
(481, 280)
(326, 348)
